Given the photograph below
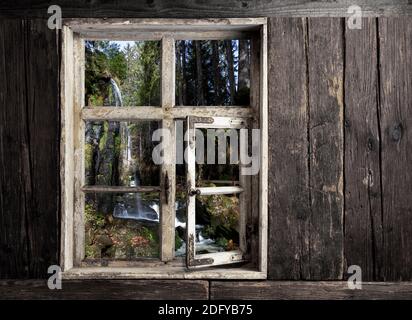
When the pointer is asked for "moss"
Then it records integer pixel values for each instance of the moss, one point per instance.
(88, 156)
(178, 241)
(103, 139)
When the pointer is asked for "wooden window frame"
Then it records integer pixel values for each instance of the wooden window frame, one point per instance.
(74, 114)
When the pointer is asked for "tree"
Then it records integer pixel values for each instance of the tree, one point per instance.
(230, 71)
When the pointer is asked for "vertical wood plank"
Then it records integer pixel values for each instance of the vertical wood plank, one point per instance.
(363, 212)
(326, 111)
(168, 172)
(264, 137)
(14, 152)
(79, 137)
(395, 60)
(29, 129)
(43, 118)
(67, 150)
(288, 150)
(252, 228)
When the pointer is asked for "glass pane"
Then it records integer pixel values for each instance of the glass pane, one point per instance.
(181, 191)
(120, 153)
(222, 169)
(213, 72)
(122, 225)
(122, 73)
(217, 223)
(180, 223)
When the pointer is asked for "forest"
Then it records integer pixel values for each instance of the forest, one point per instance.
(126, 225)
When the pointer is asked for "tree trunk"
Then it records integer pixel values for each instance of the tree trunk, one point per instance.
(243, 79)
(231, 70)
(179, 73)
(199, 74)
(217, 74)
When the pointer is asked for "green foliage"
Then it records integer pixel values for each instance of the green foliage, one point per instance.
(104, 60)
(107, 237)
(142, 84)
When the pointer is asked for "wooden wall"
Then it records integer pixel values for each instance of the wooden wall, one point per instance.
(341, 160)
(340, 122)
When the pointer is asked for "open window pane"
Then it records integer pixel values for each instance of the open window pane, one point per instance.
(213, 72)
(121, 225)
(122, 73)
(217, 152)
(180, 224)
(120, 153)
(213, 213)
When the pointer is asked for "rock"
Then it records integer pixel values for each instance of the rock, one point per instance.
(103, 240)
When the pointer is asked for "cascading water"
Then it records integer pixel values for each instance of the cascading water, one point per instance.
(138, 210)
(116, 93)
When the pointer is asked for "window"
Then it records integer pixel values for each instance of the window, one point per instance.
(155, 204)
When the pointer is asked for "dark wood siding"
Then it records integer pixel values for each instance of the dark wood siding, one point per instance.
(325, 213)
(340, 163)
(201, 9)
(395, 59)
(29, 144)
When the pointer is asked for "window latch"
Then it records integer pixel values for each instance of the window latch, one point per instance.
(194, 192)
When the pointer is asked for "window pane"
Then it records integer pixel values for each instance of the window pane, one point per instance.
(122, 225)
(213, 72)
(180, 223)
(222, 169)
(120, 153)
(122, 73)
(217, 223)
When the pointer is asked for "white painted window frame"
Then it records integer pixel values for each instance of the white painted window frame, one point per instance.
(74, 114)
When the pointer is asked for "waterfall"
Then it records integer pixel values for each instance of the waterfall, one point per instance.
(137, 210)
(116, 93)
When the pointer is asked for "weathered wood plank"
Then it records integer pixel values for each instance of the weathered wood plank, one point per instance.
(120, 189)
(289, 290)
(288, 152)
(325, 70)
(363, 212)
(43, 132)
(29, 149)
(14, 152)
(66, 150)
(106, 290)
(395, 43)
(156, 113)
(201, 9)
(168, 170)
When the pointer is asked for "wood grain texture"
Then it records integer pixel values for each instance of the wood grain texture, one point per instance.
(106, 290)
(201, 9)
(29, 148)
(289, 206)
(325, 110)
(306, 172)
(395, 47)
(363, 198)
(307, 290)
(14, 255)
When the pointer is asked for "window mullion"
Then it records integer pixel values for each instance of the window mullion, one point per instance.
(168, 171)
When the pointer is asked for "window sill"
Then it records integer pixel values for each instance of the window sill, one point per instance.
(164, 272)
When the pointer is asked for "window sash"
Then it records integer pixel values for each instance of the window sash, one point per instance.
(194, 260)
